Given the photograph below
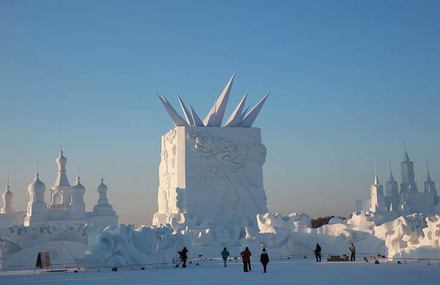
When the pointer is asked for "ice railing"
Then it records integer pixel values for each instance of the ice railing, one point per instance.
(361, 257)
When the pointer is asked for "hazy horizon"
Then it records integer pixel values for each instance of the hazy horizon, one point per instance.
(349, 82)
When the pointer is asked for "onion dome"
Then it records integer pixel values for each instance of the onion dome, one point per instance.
(103, 208)
(37, 187)
(61, 179)
(102, 188)
(7, 201)
(78, 187)
(61, 161)
(7, 194)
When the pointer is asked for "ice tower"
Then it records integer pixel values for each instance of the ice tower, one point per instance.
(212, 173)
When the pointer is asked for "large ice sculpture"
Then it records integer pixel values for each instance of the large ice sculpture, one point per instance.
(209, 174)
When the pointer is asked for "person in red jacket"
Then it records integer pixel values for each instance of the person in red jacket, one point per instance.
(246, 258)
(264, 259)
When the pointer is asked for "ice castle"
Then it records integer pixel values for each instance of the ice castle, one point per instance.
(66, 205)
(389, 203)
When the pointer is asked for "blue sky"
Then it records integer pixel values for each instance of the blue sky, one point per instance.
(350, 80)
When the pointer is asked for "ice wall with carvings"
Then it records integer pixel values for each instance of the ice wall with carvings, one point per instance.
(211, 176)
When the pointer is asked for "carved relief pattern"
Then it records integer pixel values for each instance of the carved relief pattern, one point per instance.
(226, 163)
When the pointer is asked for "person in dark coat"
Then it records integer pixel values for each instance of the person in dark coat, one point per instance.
(318, 253)
(264, 259)
(225, 255)
(246, 258)
(183, 256)
(353, 252)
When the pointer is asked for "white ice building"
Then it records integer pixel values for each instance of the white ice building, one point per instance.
(66, 204)
(390, 204)
(209, 173)
(377, 197)
(8, 215)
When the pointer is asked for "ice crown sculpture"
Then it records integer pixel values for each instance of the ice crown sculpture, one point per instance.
(241, 117)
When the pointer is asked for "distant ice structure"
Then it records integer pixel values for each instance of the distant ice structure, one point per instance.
(388, 204)
(8, 215)
(66, 203)
(211, 175)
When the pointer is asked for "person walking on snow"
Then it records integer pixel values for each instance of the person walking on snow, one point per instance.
(318, 253)
(225, 255)
(246, 258)
(183, 256)
(264, 259)
(353, 252)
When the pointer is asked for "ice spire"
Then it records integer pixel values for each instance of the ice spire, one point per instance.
(185, 111)
(377, 195)
(235, 118)
(215, 116)
(37, 173)
(78, 187)
(391, 192)
(177, 120)
(250, 117)
(78, 178)
(61, 143)
(244, 113)
(428, 175)
(405, 155)
(196, 119)
(8, 186)
(430, 184)
(391, 172)
(376, 178)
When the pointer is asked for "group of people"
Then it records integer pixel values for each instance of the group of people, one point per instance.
(264, 257)
(245, 257)
(352, 249)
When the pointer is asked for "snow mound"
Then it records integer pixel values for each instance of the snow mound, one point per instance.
(337, 220)
(361, 222)
(62, 253)
(293, 235)
(124, 245)
(422, 242)
(275, 223)
(20, 245)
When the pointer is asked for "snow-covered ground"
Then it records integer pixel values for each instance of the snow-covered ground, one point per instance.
(279, 272)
